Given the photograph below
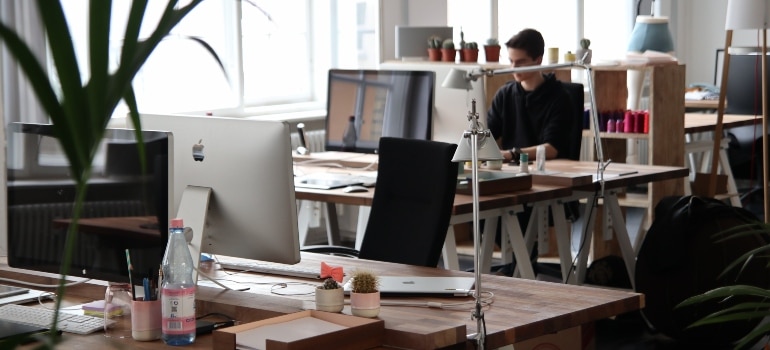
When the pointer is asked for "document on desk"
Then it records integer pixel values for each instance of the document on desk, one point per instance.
(293, 330)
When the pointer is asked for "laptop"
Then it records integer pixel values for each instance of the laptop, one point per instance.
(416, 285)
(328, 181)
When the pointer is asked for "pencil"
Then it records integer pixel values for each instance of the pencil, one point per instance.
(130, 280)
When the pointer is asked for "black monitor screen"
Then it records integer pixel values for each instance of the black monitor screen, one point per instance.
(743, 84)
(126, 207)
(364, 105)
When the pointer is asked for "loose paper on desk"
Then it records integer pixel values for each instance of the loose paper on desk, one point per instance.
(296, 329)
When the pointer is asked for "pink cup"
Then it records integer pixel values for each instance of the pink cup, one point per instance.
(146, 320)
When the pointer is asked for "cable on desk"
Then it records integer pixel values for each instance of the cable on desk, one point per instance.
(200, 273)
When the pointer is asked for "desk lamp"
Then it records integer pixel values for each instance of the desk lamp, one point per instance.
(742, 15)
(650, 33)
(477, 143)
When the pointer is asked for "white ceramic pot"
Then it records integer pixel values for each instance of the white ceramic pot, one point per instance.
(329, 300)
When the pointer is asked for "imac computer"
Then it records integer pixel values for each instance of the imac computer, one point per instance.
(233, 185)
(125, 207)
(364, 105)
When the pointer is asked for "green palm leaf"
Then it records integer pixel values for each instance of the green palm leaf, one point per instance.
(82, 111)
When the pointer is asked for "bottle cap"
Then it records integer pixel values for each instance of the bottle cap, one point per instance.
(177, 222)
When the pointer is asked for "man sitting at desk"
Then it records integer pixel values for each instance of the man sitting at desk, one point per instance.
(533, 109)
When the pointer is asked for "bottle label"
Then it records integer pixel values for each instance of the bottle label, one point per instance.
(178, 310)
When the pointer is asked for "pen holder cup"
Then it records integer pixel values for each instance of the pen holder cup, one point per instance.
(146, 320)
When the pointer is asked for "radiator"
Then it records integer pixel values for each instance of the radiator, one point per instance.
(31, 233)
(315, 140)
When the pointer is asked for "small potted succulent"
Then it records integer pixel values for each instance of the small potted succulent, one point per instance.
(583, 54)
(492, 50)
(329, 296)
(434, 48)
(365, 294)
(448, 51)
(471, 52)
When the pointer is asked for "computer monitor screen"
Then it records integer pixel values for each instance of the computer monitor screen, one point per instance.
(364, 105)
(122, 208)
(744, 87)
(247, 164)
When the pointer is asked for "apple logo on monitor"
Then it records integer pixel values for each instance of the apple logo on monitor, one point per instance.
(197, 151)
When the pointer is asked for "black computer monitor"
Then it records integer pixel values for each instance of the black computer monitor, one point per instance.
(395, 103)
(40, 196)
(744, 88)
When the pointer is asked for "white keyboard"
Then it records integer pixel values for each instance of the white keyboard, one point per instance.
(41, 317)
(272, 269)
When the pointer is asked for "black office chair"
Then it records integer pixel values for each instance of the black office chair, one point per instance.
(576, 94)
(412, 204)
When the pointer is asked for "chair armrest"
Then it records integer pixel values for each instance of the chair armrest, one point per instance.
(331, 250)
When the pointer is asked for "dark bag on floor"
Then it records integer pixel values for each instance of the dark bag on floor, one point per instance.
(679, 258)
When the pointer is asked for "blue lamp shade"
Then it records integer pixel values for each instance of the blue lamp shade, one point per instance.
(651, 33)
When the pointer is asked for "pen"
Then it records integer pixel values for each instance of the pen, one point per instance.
(146, 285)
(130, 280)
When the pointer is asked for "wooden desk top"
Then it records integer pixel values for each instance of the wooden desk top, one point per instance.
(522, 309)
(701, 122)
(704, 104)
(462, 203)
(617, 175)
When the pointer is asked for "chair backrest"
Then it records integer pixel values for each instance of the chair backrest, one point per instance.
(576, 94)
(412, 202)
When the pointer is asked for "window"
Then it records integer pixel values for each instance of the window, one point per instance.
(558, 20)
(276, 53)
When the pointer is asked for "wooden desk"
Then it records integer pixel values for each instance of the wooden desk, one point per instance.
(705, 122)
(491, 206)
(618, 177)
(522, 310)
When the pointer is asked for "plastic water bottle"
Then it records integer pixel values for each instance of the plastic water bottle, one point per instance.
(349, 137)
(178, 289)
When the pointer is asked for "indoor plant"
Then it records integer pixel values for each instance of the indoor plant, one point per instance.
(740, 302)
(80, 111)
(584, 53)
(470, 52)
(329, 296)
(434, 48)
(365, 294)
(448, 51)
(492, 50)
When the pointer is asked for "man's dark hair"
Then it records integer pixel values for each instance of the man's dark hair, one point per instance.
(529, 40)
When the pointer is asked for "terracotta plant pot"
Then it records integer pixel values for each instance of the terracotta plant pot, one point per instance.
(329, 300)
(492, 53)
(448, 55)
(434, 54)
(365, 304)
(470, 55)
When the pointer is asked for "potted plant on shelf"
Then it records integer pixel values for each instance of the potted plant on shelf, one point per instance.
(80, 110)
(329, 296)
(583, 54)
(471, 52)
(448, 51)
(365, 294)
(434, 48)
(492, 50)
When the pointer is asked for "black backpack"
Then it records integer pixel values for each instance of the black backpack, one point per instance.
(679, 258)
